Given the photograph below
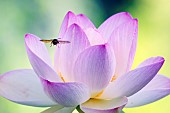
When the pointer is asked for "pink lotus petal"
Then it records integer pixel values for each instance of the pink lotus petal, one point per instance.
(59, 109)
(71, 18)
(39, 58)
(104, 106)
(66, 54)
(33, 43)
(57, 59)
(84, 22)
(112, 23)
(133, 81)
(158, 88)
(94, 37)
(123, 40)
(68, 94)
(150, 60)
(95, 67)
(24, 87)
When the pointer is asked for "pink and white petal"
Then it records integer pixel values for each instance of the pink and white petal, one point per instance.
(150, 61)
(78, 43)
(112, 23)
(95, 67)
(104, 106)
(123, 40)
(69, 19)
(24, 87)
(33, 43)
(67, 94)
(156, 89)
(133, 81)
(57, 59)
(39, 59)
(94, 37)
(59, 109)
(84, 22)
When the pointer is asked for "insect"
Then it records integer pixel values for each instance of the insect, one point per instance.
(55, 41)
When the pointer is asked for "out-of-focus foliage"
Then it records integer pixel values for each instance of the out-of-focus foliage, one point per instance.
(43, 18)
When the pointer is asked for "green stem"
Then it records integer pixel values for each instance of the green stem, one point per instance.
(79, 110)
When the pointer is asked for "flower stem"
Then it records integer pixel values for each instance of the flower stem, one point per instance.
(79, 110)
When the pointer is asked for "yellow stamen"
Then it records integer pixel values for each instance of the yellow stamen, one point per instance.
(113, 78)
(61, 76)
(100, 93)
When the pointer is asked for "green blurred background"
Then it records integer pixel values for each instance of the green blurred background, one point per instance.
(43, 18)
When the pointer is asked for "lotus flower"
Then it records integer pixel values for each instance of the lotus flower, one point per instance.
(92, 72)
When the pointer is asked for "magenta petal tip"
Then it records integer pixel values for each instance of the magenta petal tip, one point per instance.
(126, 13)
(26, 35)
